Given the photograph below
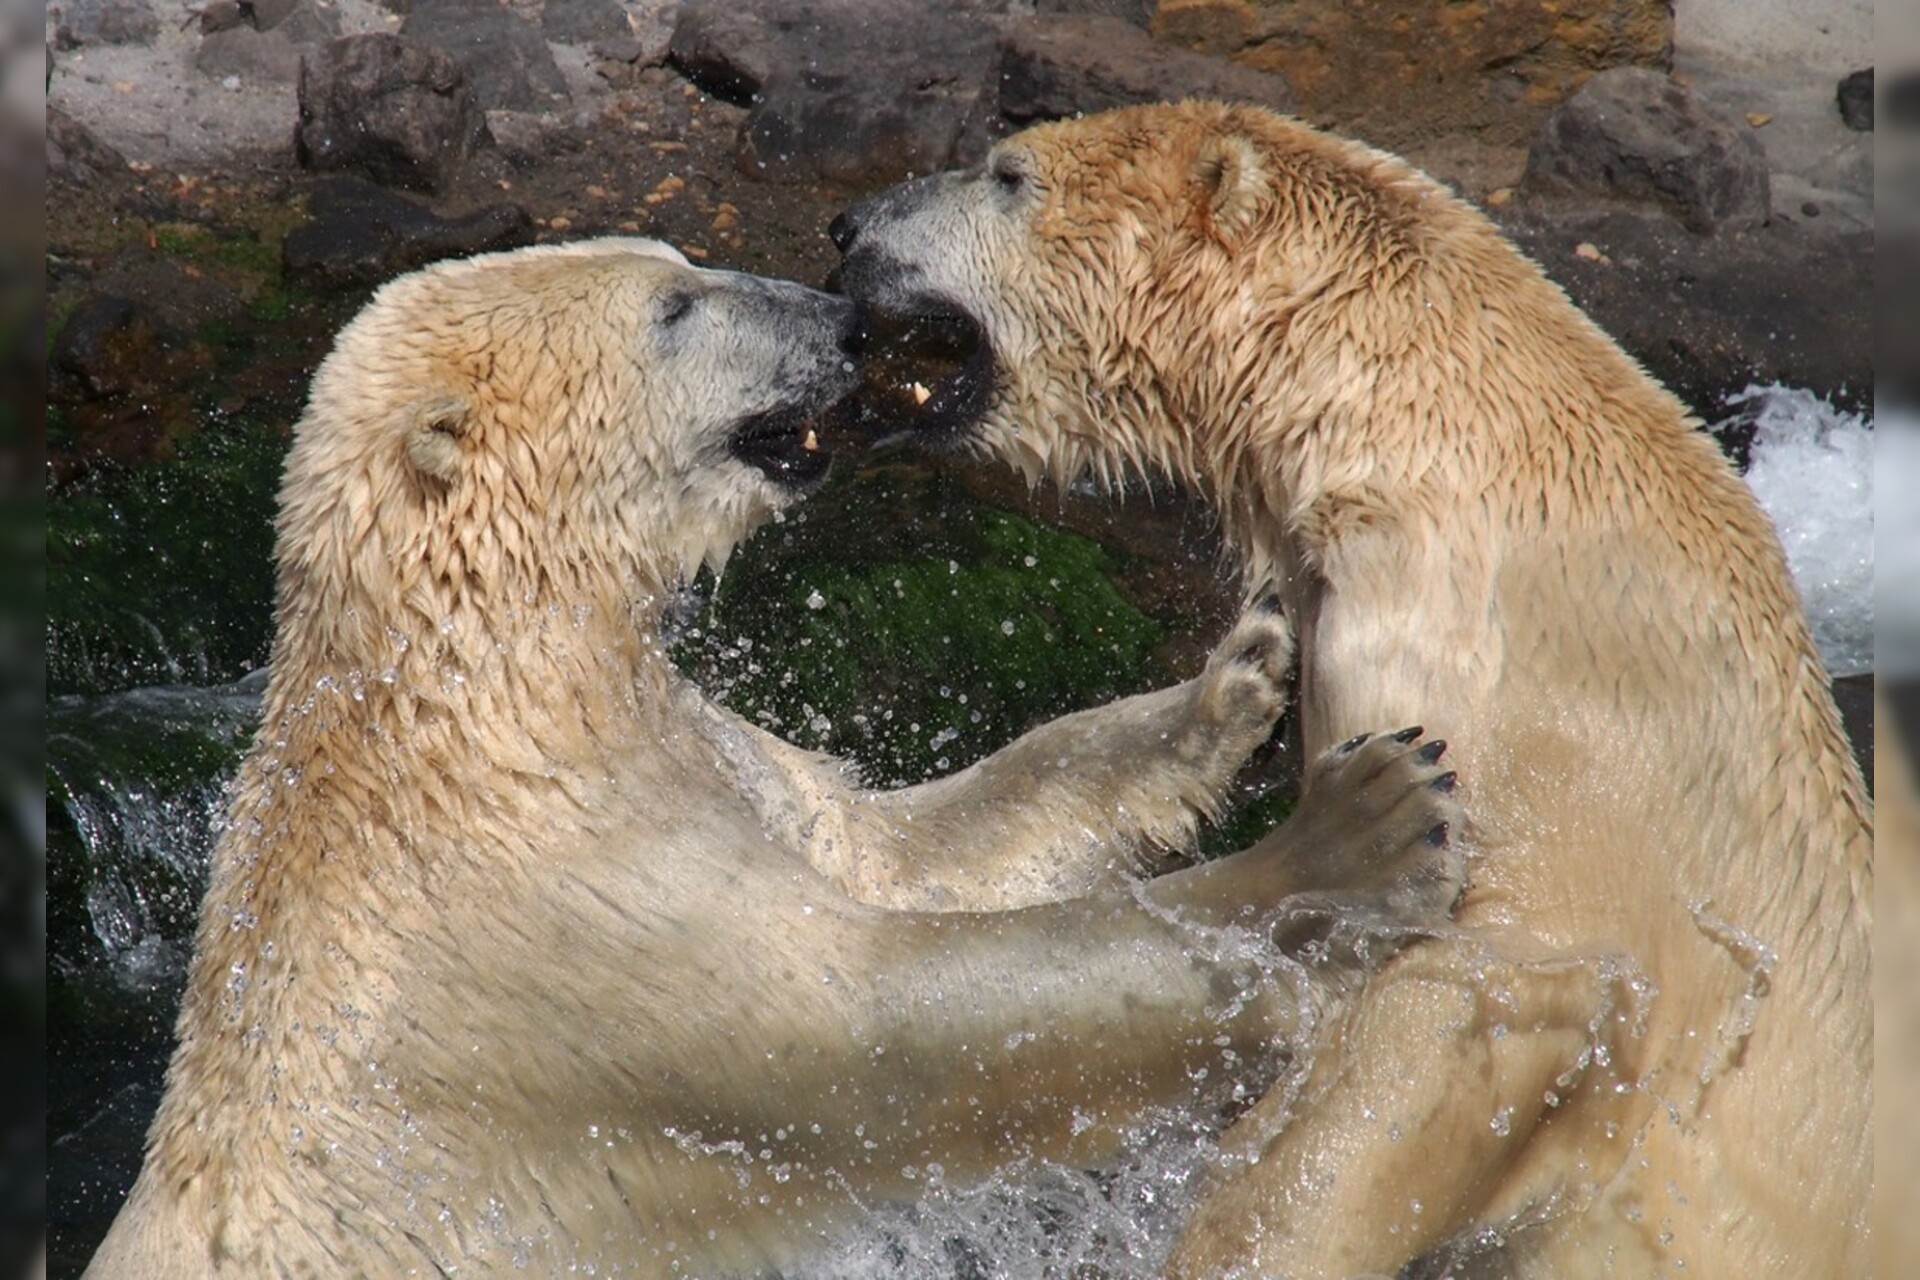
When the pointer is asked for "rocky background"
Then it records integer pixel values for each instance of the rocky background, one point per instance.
(227, 178)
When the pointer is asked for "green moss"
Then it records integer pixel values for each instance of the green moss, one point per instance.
(895, 621)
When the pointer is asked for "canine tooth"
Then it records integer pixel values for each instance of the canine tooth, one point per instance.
(920, 394)
(812, 442)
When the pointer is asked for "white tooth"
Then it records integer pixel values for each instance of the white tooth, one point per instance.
(920, 394)
(812, 442)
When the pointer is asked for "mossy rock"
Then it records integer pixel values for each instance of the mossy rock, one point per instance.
(895, 621)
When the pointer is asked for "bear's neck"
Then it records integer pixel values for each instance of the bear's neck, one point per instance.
(546, 688)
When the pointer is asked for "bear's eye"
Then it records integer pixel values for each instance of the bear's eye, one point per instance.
(1007, 176)
(675, 307)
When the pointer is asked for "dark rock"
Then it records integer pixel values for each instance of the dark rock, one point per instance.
(398, 110)
(301, 21)
(1709, 315)
(189, 296)
(109, 22)
(267, 57)
(268, 14)
(506, 59)
(729, 50)
(221, 15)
(122, 372)
(1136, 12)
(855, 91)
(360, 234)
(584, 21)
(1855, 96)
(1637, 135)
(75, 154)
(1055, 67)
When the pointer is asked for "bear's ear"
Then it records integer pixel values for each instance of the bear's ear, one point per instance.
(1229, 183)
(433, 438)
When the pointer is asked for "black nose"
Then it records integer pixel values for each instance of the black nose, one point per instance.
(844, 228)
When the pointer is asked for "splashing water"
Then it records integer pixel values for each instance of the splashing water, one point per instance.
(1039, 1219)
(1812, 469)
(136, 781)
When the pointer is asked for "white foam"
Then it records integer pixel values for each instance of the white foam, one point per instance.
(1812, 469)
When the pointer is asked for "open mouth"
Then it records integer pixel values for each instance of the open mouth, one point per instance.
(929, 374)
(786, 444)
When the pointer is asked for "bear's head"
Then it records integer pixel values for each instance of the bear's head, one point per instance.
(556, 430)
(1148, 284)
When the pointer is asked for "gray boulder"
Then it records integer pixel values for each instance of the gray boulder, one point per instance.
(1136, 12)
(584, 21)
(269, 57)
(75, 154)
(862, 92)
(395, 109)
(360, 234)
(1053, 67)
(108, 22)
(505, 57)
(1637, 136)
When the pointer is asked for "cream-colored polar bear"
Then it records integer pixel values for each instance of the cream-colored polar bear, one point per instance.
(1652, 1052)
(519, 955)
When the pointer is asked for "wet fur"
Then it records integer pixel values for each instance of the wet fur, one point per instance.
(1653, 1047)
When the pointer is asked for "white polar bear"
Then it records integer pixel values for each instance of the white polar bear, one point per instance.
(520, 954)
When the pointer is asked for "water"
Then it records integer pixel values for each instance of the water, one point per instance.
(1035, 1220)
(135, 799)
(1811, 466)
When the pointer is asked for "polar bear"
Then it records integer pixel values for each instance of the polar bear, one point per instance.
(519, 954)
(1651, 1050)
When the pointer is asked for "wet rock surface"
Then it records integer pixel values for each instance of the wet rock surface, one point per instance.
(773, 114)
(104, 22)
(506, 58)
(394, 108)
(1056, 66)
(851, 91)
(74, 154)
(124, 371)
(1639, 136)
(361, 234)
(1708, 315)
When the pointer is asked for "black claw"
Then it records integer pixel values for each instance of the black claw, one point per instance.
(1432, 751)
(1408, 735)
(1438, 836)
(1352, 744)
(1445, 781)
